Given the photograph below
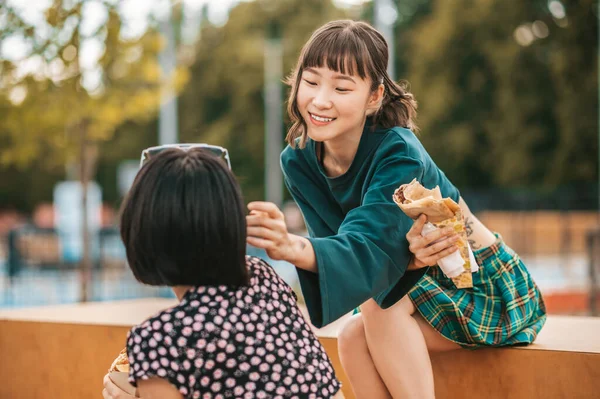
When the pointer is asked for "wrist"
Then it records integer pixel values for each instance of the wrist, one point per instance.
(411, 264)
(415, 264)
(296, 248)
(302, 254)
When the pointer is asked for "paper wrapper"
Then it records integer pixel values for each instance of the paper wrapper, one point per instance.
(465, 278)
(119, 373)
(451, 265)
(415, 200)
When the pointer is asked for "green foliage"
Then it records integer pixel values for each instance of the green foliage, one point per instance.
(223, 101)
(495, 113)
(57, 109)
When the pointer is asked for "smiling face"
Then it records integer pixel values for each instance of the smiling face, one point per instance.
(339, 80)
(334, 104)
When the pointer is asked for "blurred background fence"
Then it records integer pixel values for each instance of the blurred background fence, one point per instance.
(560, 248)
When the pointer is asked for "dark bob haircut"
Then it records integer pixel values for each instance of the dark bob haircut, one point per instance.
(183, 222)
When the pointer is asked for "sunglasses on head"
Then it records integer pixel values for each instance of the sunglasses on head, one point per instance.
(214, 149)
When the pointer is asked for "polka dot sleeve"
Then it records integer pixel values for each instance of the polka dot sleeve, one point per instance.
(154, 354)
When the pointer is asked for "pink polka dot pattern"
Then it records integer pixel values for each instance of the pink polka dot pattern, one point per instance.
(224, 342)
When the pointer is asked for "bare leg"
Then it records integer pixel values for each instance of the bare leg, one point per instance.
(357, 361)
(398, 341)
(435, 341)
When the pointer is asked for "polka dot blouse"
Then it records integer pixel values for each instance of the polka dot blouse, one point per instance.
(219, 342)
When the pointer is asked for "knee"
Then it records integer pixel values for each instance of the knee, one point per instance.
(374, 315)
(352, 335)
(370, 309)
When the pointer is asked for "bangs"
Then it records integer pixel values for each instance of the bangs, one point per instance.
(339, 51)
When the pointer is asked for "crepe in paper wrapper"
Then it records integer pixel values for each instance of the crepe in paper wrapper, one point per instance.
(119, 373)
(414, 200)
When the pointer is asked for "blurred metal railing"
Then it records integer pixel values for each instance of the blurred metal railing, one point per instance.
(36, 273)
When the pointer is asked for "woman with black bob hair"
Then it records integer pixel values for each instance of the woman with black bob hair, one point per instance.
(237, 330)
(183, 222)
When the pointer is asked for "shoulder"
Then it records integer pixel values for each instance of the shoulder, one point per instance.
(152, 332)
(259, 269)
(398, 142)
(263, 275)
(166, 322)
(293, 157)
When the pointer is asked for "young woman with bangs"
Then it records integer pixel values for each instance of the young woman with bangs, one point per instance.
(351, 144)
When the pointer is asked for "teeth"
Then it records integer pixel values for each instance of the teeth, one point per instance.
(318, 118)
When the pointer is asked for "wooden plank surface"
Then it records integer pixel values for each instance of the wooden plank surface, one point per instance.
(56, 360)
(64, 351)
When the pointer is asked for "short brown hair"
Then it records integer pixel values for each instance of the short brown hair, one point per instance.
(352, 47)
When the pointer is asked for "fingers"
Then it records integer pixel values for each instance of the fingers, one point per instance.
(417, 226)
(111, 391)
(438, 234)
(445, 252)
(107, 382)
(262, 232)
(268, 207)
(435, 258)
(260, 242)
(432, 254)
(440, 246)
(261, 220)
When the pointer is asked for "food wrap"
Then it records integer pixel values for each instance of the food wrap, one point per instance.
(414, 200)
(119, 373)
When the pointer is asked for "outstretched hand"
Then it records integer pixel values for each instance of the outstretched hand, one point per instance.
(267, 230)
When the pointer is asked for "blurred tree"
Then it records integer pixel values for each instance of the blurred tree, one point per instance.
(508, 94)
(60, 109)
(223, 102)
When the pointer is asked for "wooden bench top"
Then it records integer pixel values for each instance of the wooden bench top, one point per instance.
(561, 333)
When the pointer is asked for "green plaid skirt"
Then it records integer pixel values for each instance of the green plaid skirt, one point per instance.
(504, 307)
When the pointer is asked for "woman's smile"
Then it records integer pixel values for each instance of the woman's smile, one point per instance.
(319, 120)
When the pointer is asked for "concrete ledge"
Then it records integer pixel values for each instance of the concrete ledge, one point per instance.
(64, 351)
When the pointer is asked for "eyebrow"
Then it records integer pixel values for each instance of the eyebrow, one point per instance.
(339, 76)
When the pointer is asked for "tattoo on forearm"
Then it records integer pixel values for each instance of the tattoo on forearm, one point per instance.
(468, 227)
(469, 231)
(474, 245)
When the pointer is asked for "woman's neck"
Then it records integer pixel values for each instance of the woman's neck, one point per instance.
(180, 290)
(338, 153)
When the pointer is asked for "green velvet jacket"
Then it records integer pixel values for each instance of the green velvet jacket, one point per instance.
(356, 229)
